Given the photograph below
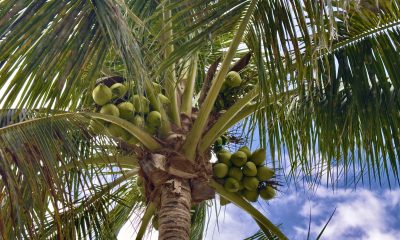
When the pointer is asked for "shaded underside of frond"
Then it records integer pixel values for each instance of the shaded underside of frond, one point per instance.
(52, 185)
(339, 109)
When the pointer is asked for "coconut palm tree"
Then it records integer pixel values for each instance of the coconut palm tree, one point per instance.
(319, 84)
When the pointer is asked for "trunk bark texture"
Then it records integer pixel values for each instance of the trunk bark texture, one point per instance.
(174, 214)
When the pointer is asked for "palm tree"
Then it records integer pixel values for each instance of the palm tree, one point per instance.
(319, 83)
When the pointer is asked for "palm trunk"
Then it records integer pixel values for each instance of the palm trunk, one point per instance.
(174, 214)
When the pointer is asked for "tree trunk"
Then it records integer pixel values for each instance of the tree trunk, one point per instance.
(174, 214)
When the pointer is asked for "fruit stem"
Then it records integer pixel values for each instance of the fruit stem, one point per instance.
(151, 208)
(214, 132)
(194, 136)
(146, 139)
(189, 86)
(243, 204)
(170, 82)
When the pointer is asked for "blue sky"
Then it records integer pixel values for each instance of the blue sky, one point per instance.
(360, 214)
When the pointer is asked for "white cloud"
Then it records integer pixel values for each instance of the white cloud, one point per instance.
(361, 214)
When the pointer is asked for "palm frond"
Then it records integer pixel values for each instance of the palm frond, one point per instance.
(340, 112)
(39, 193)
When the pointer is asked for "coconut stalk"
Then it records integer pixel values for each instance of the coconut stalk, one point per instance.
(221, 123)
(189, 87)
(171, 83)
(146, 139)
(195, 134)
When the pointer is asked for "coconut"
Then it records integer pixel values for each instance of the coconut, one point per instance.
(110, 109)
(141, 104)
(251, 196)
(239, 158)
(138, 121)
(163, 99)
(154, 119)
(117, 131)
(264, 173)
(101, 94)
(233, 79)
(218, 141)
(250, 169)
(118, 90)
(96, 126)
(258, 157)
(231, 185)
(267, 193)
(220, 170)
(126, 110)
(224, 156)
(246, 150)
(250, 183)
(223, 201)
(236, 173)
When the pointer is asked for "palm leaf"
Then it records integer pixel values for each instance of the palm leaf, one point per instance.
(40, 194)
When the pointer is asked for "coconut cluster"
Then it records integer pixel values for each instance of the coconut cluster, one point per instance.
(230, 90)
(244, 172)
(116, 101)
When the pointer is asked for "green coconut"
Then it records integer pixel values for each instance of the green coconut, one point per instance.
(220, 170)
(246, 150)
(110, 109)
(118, 90)
(250, 169)
(233, 79)
(138, 121)
(141, 104)
(236, 173)
(251, 196)
(267, 193)
(218, 141)
(96, 126)
(223, 201)
(154, 119)
(239, 158)
(224, 156)
(258, 157)
(163, 99)
(117, 131)
(264, 173)
(250, 183)
(231, 185)
(101, 94)
(126, 110)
